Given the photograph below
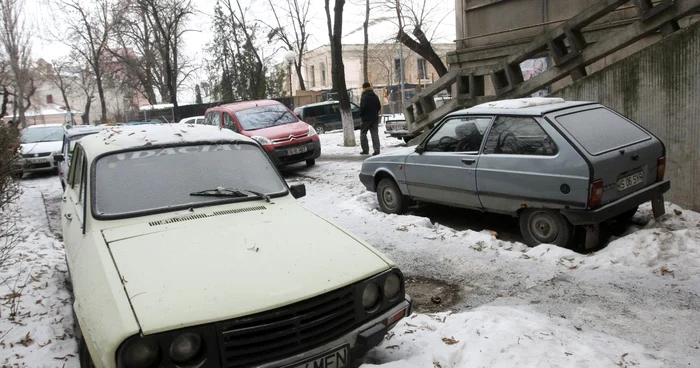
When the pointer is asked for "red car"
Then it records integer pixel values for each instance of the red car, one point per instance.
(286, 139)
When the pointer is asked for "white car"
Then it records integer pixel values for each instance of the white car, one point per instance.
(186, 248)
(38, 146)
(193, 120)
(71, 134)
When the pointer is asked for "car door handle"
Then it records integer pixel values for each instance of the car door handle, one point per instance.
(68, 217)
(469, 161)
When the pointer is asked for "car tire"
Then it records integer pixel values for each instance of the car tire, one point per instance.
(406, 139)
(311, 162)
(320, 129)
(18, 175)
(390, 198)
(542, 226)
(84, 357)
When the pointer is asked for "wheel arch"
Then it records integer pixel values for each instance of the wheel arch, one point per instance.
(381, 174)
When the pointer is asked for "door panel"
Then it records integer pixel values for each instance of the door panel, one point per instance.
(72, 205)
(443, 177)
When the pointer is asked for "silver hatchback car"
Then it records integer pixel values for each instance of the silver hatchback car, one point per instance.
(558, 165)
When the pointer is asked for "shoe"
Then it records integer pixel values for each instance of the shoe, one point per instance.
(364, 153)
(376, 153)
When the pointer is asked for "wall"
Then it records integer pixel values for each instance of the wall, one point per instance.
(658, 87)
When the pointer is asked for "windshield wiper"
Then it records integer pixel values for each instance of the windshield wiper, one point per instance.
(228, 192)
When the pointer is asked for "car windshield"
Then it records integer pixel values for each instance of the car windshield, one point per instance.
(42, 134)
(264, 117)
(161, 179)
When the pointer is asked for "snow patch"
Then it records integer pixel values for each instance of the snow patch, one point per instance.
(521, 103)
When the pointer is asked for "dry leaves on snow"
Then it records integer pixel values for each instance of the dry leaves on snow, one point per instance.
(449, 341)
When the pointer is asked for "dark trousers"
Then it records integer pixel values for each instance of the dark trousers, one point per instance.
(372, 127)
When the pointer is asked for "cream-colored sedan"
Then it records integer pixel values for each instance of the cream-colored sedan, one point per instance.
(186, 248)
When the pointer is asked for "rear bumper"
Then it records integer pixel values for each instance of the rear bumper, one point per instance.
(368, 181)
(281, 155)
(359, 341)
(610, 210)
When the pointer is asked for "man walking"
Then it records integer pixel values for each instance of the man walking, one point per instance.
(369, 113)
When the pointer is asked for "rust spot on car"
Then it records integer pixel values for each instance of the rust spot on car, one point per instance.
(400, 167)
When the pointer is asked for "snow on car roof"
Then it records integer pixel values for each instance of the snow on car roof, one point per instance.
(523, 106)
(116, 138)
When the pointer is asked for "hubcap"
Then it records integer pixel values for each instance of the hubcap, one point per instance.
(543, 227)
(389, 198)
(319, 130)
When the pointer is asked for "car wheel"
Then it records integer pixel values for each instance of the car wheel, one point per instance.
(406, 139)
(84, 356)
(627, 216)
(390, 198)
(540, 226)
(310, 162)
(320, 129)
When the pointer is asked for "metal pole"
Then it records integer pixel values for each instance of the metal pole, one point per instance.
(401, 76)
(289, 72)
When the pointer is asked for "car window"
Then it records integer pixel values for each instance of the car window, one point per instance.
(600, 130)
(229, 123)
(265, 116)
(42, 134)
(76, 169)
(315, 111)
(199, 121)
(519, 136)
(460, 134)
(354, 107)
(190, 168)
(213, 118)
(298, 111)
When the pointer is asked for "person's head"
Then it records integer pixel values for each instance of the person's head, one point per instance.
(366, 85)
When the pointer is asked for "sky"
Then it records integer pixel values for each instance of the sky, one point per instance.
(441, 28)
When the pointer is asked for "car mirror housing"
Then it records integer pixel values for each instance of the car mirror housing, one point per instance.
(419, 149)
(298, 190)
(59, 157)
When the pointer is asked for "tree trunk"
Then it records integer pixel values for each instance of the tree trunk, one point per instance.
(297, 67)
(424, 49)
(65, 98)
(101, 94)
(20, 97)
(86, 111)
(365, 48)
(338, 71)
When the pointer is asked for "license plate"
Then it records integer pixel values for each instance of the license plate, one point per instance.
(337, 358)
(296, 150)
(395, 127)
(630, 181)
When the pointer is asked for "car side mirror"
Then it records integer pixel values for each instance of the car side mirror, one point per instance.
(59, 157)
(420, 149)
(298, 190)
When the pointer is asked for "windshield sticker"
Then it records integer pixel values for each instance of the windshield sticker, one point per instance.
(175, 151)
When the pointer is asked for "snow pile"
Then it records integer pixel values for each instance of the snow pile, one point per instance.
(36, 328)
(502, 337)
(521, 103)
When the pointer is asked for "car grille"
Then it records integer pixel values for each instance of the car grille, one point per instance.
(31, 155)
(254, 340)
(40, 165)
(290, 138)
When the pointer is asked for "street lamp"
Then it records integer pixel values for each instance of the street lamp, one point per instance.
(290, 56)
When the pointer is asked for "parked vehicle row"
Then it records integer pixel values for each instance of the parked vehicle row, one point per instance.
(39, 144)
(187, 264)
(556, 165)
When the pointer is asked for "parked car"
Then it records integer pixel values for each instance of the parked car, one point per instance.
(197, 260)
(397, 127)
(38, 146)
(144, 122)
(554, 164)
(325, 116)
(286, 139)
(193, 120)
(71, 134)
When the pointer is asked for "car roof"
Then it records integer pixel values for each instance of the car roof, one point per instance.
(43, 126)
(118, 138)
(244, 105)
(320, 104)
(82, 129)
(532, 106)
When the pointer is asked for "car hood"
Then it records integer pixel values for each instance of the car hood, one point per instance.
(281, 131)
(41, 147)
(197, 271)
(398, 155)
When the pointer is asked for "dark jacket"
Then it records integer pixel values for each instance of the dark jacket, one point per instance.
(370, 106)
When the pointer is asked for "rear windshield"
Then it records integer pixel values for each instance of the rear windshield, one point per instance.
(265, 116)
(601, 130)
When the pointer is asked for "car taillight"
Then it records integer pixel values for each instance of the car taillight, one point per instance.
(660, 168)
(596, 194)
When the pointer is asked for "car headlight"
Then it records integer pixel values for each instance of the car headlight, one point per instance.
(370, 297)
(392, 286)
(312, 131)
(186, 348)
(141, 353)
(262, 140)
(54, 153)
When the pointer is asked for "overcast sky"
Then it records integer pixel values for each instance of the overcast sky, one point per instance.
(441, 27)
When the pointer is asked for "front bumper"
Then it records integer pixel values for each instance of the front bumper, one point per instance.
(359, 341)
(622, 205)
(368, 181)
(35, 164)
(281, 155)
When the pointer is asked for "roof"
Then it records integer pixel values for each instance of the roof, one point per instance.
(532, 106)
(244, 105)
(116, 138)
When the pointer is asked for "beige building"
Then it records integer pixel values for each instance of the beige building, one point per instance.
(384, 66)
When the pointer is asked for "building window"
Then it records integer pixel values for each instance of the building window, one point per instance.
(422, 71)
(323, 74)
(49, 99)
(312, 76)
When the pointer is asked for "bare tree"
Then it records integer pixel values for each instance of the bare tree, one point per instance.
(297, 14)
(417, 14)
(15, 39)
(87, 84)
(257, 78)
(89, 26)
(60, 74)
(168, 19)
(335, 34)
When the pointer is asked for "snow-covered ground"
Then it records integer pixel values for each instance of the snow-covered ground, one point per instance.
(503, 304)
